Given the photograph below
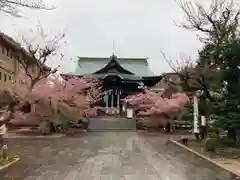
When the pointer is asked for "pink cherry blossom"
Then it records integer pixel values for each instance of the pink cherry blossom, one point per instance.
(74, 95)
(151, 103)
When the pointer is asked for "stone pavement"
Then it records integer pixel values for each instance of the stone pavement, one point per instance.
(104, 156)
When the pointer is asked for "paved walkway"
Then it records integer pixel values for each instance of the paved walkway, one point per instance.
(104, 156)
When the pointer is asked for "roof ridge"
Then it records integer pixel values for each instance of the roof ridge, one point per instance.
(120, 58)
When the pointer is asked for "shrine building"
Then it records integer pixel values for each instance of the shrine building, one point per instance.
(120, 76)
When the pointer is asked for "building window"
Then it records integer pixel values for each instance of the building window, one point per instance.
(7, 52)
(0, 75)
(5, 77)
(9, 78)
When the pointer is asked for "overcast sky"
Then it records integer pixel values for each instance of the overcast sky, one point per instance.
(139, 28)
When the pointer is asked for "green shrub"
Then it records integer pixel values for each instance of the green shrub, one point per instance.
(238, 143)
(213, 131)
(76, 124)
(225, 141)
(61, 125)
(211, 144)
(45, 127)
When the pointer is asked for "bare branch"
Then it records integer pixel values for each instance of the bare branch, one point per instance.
(192, 78)
(219, 21)
(169, 61)
(12, 7)
(37, 51)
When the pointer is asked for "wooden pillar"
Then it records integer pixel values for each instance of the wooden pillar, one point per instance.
(106, 100)
(118, 101)
(112, 99)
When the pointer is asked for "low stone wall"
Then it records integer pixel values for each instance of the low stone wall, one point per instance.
(195, 156)
(31, 119)
(153, 122)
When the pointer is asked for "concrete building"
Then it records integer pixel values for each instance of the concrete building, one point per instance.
(10, 52)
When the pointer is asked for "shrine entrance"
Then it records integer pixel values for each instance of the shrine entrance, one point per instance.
(116, 88)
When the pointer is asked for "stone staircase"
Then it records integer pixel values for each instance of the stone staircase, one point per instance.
(111, 124)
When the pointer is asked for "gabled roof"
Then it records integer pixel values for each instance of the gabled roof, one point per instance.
(90, 65)
(113, 66)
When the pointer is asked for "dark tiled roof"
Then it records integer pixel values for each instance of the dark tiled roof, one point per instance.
(163, 84)
(89, 65)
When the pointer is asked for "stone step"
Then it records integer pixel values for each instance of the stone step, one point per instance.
(111, 124)
(111, 130)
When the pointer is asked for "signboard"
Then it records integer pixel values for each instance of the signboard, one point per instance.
(203, 121)
(129, 113)
(195, 114)
(123, 108)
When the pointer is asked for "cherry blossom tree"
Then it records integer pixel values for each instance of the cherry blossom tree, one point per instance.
(32, 71)
(149, 103)
(52, 99)
(76, 94)
(17, 94)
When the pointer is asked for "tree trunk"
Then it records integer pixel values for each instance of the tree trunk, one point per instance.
(197, 136)
(168, 127)
(205, 111)
(1, 146)
(231, 133)
(171, 128)
(202, 132)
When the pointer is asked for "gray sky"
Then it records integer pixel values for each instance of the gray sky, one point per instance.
(140, 28)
